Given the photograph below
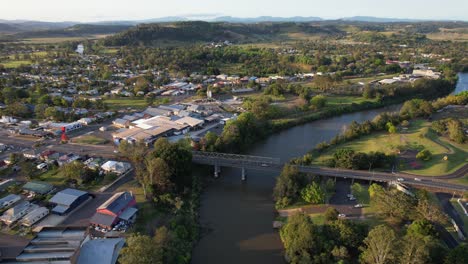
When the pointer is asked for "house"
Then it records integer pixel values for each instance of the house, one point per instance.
(9, 200)
(108, 214)
(153, 111)
(16, 212)
(117, 167)
(67, 200)
(49, 155)
(67, 158)
(102, 251)
(34, 216)
(37, 187)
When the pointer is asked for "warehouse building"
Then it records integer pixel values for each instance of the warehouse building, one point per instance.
(67, 200)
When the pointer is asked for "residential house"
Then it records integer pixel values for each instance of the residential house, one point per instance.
(34, 216)
(37, 187)
(117, 167)
(17, 212)
(9, 200)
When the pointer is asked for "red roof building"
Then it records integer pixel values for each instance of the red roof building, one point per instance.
(108, 214)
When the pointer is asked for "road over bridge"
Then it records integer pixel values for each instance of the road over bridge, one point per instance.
(245, 162)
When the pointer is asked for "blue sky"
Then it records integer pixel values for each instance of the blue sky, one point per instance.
(98, 10)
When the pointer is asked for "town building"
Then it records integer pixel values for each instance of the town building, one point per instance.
(17, 212)
(34, 216)
(111, 211)
(9, 200)
(37, 187)
(67, 200)
(102, 251)
(117, 167)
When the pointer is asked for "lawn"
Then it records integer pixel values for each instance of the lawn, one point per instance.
(53, 177)
(334, 101)
(417, 137)
(15, 63)
(90, 139)
(123, 102)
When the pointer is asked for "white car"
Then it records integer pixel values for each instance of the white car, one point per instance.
(42, 166)
(341, 215)
(400, 179)
(358, 206)
(417, 179)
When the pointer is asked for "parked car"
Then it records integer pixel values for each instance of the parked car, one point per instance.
(400, 179)
(358, 206)
(341, 215)
(42, 166)
(417, 179)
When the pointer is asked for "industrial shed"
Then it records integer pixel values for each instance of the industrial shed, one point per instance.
(67, 200)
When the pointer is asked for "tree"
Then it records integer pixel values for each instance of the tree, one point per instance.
(331, 214)
(318, 101)
(298, 238)
(422, 227)
(179, 159)
(414, 250)
(313, 193)
(455, 131)
(379, 246)
(158, 175)
(458, 255)
(391, 128)
(141, 249)
(288, 184)
(424, 155)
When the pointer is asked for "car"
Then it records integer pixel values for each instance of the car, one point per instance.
(358, 206)
(400, 179)
(352, 198)
(341, 215)
(264, 165)
(42, 166)
(417, 179)
(349, 195)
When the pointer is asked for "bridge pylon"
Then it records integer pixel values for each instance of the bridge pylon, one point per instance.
(217, 170)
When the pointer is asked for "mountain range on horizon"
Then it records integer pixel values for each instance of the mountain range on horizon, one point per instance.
(24, 26)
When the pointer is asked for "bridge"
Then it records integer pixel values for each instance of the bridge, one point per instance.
(245, 162)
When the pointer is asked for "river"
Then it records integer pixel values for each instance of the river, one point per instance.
(237, 216)
(462, 84)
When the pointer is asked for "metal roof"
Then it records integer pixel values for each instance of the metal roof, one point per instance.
(102, 251)
(117, 202)
(38, 187)
(102, 219)
(128, 213)
(67, 196)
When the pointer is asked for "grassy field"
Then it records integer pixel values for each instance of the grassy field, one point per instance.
(417, 137)
(15, 63)
(90, 139)
(53, 177)
(123, 102)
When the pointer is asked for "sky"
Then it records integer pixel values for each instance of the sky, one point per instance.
(104, 10)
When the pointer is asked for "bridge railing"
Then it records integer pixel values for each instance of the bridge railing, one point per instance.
(235, 157)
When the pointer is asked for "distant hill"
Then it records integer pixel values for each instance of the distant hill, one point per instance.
(378, 19)
(265, 19)
(74, 31)
(199, 31)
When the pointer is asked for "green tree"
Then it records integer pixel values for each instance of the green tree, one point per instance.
(318, 101)
(455, 131)
(414, 250)
(458, 255)
(313, 193)
(288, 184)
(298, 238)
(331, 214)
(379, 246)
(158, 175)
(141, 249)
(424, 155)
